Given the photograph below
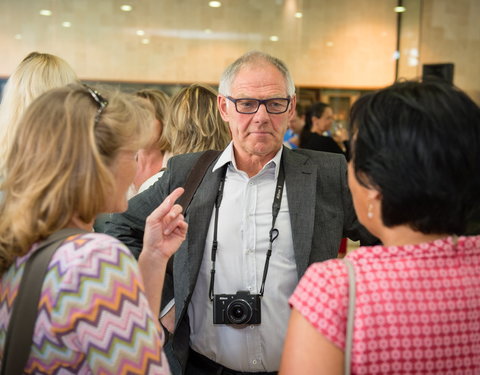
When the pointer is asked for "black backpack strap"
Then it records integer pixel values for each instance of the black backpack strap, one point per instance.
(195, 177)
(19, 336)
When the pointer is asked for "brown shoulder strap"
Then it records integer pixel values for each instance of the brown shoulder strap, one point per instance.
(19, 337)
(195, 177)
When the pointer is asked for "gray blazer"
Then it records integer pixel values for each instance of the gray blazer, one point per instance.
(321, 213)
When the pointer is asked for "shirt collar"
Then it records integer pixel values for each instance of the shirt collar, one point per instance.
(227, 157)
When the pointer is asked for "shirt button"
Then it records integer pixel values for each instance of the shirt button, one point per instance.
(254, 361)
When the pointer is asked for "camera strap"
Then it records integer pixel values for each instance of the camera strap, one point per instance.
(273, 233)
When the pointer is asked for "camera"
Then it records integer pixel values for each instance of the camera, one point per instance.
(239, 308)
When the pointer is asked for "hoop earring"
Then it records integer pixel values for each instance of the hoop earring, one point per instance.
(370, 211)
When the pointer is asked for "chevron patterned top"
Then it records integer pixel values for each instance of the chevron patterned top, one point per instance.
(93, 315)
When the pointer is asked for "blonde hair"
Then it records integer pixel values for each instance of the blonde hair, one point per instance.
(194, 122)
(61, 161)
(159, 101)
(37, 73)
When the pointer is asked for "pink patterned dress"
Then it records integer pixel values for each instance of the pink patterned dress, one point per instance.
(94, 317)
(417, 307)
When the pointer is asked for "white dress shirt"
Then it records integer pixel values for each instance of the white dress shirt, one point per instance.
(244, 222)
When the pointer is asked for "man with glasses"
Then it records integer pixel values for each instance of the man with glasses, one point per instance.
(260, 216)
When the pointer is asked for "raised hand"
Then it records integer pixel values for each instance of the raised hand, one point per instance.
(165, 228)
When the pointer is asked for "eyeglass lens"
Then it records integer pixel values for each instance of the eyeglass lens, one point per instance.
(275, 105)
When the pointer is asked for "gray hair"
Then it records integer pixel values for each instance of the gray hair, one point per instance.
(250, 58)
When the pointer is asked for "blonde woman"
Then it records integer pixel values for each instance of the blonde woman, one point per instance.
(193, 124)
(37, 73)
(150, 158)
(73, 156)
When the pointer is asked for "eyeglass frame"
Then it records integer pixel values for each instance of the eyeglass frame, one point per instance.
(99, 99)
(260, 102)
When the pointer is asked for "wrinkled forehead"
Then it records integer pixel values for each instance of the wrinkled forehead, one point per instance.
(261, 79)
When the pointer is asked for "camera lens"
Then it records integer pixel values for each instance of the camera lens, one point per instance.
(239, 311)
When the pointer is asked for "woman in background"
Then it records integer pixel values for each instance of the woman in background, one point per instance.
(73, 156)
(415, 181)
(150, 159)
(318, 120)
(193, 124)
(37, 73)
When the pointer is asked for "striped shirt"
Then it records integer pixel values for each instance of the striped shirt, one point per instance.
(94, 317)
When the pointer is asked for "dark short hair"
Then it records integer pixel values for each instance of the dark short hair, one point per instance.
(418, 143)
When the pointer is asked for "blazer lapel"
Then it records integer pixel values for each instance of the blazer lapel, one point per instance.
(198, 218)
(300, 180)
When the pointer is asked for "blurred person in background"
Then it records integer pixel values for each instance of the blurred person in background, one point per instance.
(73, 156)
(415, 181)
(193, 124)
(319, 120)
(37, 73)
(150, 159)
(295, 127)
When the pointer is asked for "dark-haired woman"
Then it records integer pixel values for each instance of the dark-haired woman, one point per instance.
(318, 120)
(414, 178)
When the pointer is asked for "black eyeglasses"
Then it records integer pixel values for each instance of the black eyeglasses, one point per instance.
(99, 99)
(249, 105)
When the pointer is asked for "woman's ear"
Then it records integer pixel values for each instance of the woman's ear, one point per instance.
(374, 194)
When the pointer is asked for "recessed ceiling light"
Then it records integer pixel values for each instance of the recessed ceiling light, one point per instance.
(208, 31)
(145, 41)
(399, 9)
(140, 32)
(215, 4)
(274, 38)
(66, 24)
(126, 8)
(329, 44)
(18, 36)
(298, 15)
(46, 12)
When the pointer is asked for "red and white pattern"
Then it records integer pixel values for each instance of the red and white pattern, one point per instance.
(417, 307)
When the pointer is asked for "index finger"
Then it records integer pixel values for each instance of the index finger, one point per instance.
(167, 203)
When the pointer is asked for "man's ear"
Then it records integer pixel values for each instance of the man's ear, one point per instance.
(222, 107)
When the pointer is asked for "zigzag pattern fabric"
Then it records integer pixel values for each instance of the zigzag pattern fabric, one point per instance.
(94, 317)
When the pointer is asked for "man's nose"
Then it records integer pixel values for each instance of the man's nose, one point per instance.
(262, 112)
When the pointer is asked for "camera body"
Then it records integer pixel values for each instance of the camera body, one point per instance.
(239, 308)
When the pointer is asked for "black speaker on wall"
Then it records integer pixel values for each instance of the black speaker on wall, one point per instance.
(438, 71)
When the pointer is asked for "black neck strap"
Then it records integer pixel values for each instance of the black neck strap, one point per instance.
(273, 234)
